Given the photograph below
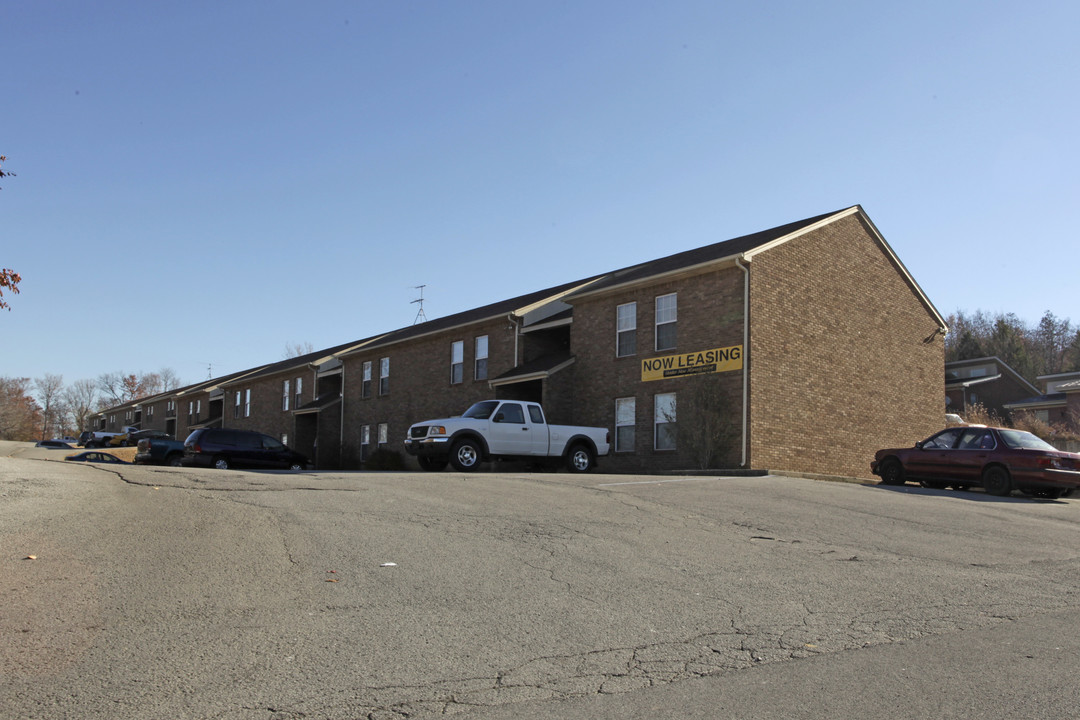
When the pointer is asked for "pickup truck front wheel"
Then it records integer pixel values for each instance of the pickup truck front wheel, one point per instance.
(580, 459)
(465, 455)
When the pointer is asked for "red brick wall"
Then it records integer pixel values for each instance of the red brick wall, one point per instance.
(840, 365)
(709, 316)
(267, 415)
(420, 386)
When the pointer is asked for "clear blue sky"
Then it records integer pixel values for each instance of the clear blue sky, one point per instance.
(201, 183)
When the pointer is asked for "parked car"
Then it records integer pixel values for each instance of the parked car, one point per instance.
(999, 460)
(159, 450)
(96, 457)
(225, 448)
(84, 436)
(52, 444)
(106, 439)
(504, 430)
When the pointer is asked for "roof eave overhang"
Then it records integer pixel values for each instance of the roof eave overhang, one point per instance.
(538, 375)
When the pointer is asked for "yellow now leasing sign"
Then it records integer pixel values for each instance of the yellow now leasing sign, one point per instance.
(717, 360)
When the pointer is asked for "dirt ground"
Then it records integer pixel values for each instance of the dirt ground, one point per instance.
(124, 453)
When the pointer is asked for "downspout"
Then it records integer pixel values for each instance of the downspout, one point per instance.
(341, 423)
(746, 352)
(514, 327)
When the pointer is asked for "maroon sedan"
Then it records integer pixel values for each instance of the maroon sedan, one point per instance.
(998, 459)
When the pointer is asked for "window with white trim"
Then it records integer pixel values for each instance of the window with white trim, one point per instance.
(365, 441)
(247, 403)
(299, 391)
(384, 376)
(664, 421)
(625, 423)
(236, 405)
(626, 330)
(480, 370)
(457, 362)
(667, 314)
(365, 382)
(384, 434)
(286, 395)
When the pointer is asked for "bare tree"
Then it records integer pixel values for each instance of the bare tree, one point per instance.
(169, 379)
(707, 422)
(80, 400)
(295, 350)
(49, 388)
(118, 388)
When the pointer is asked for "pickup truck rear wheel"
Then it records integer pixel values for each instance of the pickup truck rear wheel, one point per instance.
(580, 459)
(173, 460)
(465, 455)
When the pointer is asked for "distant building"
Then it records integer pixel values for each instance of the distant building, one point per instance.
(985, 381)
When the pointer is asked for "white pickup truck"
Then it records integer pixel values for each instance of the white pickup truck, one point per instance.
(504, 430)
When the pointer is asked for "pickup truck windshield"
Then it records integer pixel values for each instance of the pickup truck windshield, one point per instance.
(482, 410)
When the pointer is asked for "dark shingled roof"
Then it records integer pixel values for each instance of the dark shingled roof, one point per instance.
(697, 256)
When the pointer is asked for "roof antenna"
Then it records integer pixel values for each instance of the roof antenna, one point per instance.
(420, 316)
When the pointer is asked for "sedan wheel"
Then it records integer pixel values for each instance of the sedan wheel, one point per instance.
(892, 473)
(221, 463)
(996, 481)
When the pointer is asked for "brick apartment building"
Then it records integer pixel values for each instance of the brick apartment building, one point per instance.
(809, 345)
(986, 381)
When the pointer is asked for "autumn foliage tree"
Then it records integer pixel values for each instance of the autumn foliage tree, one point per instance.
(9, 279)
(20, 415)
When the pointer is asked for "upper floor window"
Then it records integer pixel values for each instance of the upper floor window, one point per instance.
(247, 403)
(236, 405)
(626, 330)
(667, 313)
(365, 382)
(285, 394)
(480, 371)
(299, 391)
(384, 376)
(457, 361)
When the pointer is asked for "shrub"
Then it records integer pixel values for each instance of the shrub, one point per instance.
(979, 414)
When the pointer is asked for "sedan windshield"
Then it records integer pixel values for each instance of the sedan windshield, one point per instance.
(482, 410)
(1018, 439)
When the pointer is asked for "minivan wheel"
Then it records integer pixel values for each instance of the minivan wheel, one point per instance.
(221, 463)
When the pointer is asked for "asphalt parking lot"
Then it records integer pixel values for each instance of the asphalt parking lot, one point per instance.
(166, 592)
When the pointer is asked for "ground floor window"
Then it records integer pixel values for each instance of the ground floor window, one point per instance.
(384, 434)
(664, 421)
(365, 441)
(625, 419)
